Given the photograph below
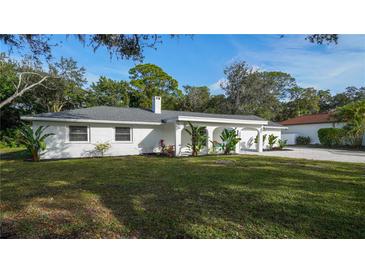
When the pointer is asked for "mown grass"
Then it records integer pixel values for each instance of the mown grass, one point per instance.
(205, 197)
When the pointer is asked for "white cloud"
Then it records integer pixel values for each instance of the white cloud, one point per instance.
(215, 88)
(327, 67)
(91, 77)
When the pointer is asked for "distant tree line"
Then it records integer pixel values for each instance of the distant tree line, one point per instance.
(272, 95)
(276, 96)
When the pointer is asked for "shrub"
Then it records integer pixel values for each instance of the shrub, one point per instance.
(10, 137)
(282, 143)
(354, 116)
(303, 140)
(272, 140)
(168, 150)
(331, 136)
(229, 139)
(34, 141)
(101, 148)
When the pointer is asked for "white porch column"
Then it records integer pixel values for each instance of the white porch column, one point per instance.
(238, 145)
(260, 144)
(178, 131)
(210, 131)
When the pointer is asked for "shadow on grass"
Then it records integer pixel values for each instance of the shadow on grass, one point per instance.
(14, 154)
(138, 197)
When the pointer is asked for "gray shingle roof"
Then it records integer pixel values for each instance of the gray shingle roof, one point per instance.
(273, 124)
(134, 114)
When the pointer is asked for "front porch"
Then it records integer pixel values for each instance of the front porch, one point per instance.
(248, 133)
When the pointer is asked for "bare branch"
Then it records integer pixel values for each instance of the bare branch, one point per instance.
(18, 93)
(20, 80)
(31, 72)
(15, 86)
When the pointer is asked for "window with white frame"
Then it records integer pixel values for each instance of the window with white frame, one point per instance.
(78, 134)
(123, 134)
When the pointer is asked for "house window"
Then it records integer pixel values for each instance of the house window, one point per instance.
(123, 134)
(78, 134)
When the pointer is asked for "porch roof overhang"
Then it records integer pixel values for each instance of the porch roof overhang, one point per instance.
(216, 120)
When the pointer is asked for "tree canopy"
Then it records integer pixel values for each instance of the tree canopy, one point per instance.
(273, 95)
(108, 92)
(149, 80)
(122, 46)
(196, 98)
(257, 92)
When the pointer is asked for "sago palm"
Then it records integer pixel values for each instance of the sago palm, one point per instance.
(34, 141)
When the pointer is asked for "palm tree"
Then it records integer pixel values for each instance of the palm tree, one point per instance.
(354, 116)
(229, 139)
(34, 141)
(198, 138)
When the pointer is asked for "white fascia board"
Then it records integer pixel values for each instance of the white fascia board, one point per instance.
(27, 118)
(221, 120)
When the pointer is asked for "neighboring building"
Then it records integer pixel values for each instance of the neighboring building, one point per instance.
(308, 125)
(132, 131)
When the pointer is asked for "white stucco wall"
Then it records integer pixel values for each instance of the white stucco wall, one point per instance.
(290, 138)
(311, 130)
(248, 136)
(145, 139)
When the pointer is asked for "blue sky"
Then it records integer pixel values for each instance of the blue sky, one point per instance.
(201, 59)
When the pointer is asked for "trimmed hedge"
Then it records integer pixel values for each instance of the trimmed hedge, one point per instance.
(303, 140)
(331, 136)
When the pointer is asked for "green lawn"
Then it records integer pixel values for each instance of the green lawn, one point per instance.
(205, 197)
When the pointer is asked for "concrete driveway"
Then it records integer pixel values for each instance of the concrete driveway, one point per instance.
(324, 154)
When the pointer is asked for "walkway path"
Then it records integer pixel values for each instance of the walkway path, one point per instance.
(324, 154)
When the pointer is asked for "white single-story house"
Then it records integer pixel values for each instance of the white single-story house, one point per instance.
(308, 125)
(132, 131)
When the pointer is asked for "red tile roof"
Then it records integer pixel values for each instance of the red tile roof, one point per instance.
(310, 119)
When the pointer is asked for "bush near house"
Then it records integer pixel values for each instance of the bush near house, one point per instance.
(229, 139)
(354, 116)
(303, 140)
(101, 148)
(282, 143)
(10, 137)
(331, 136)
(167, 150)
(272, 140)
(34, 141)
